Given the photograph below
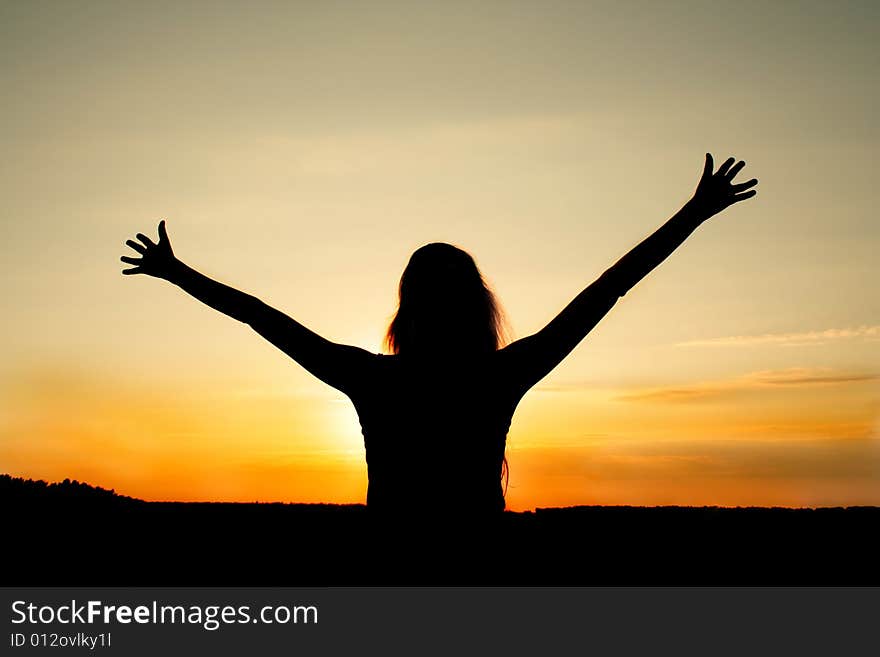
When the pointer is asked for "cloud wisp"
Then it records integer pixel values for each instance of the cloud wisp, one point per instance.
(754, 381)
(801, 339)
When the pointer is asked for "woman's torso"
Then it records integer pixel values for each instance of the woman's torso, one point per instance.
(435, 432)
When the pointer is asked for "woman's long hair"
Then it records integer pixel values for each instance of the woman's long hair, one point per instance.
(444, 305)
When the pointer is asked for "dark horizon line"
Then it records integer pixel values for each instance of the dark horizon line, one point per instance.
(99, 490)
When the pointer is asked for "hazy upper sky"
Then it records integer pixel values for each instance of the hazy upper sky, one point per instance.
(302, 151)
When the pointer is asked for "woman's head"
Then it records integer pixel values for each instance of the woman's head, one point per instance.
(444, 305)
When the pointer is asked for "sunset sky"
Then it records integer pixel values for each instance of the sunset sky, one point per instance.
(302, 151)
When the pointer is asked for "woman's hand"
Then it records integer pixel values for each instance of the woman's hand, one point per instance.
(717, 191)
(156, 259)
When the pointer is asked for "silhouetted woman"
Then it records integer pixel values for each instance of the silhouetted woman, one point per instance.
(435, 412)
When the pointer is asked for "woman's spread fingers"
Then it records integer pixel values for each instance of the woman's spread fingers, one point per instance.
(136, 246)
(726, 165)
(133, 270)
(131, 261)
(741, 186)
(707, 167)
(735, 169)
(146, 240)
(744, 196)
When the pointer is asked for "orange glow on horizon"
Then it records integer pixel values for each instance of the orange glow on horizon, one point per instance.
(566, 448)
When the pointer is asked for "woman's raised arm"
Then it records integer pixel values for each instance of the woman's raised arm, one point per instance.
(341, 366)
(530, 359)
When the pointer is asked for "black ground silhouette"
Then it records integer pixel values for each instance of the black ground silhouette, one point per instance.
(75, 534)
